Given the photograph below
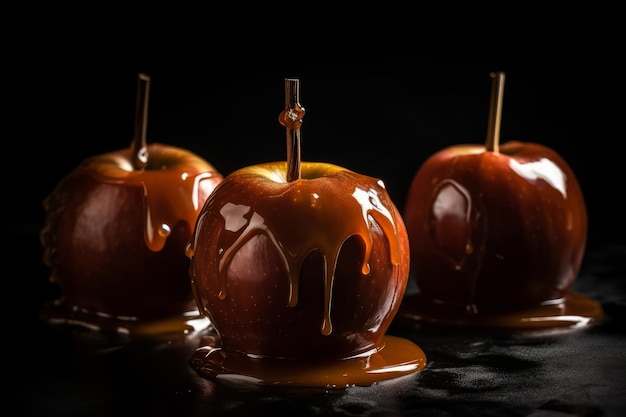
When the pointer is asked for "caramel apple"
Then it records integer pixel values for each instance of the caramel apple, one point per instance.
(115, 233)
(498, 234)
(301, 267)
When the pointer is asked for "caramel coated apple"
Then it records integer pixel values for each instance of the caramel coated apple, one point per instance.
(503, 230)
(316, 266)
(301, 267)
(115, 232)
(498, 234)
(114, 236)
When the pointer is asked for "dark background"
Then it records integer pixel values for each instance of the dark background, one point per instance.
(378, 101)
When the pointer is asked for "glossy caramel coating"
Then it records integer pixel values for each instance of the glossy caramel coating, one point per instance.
(309, 269)
(114, 237)
(495, 232)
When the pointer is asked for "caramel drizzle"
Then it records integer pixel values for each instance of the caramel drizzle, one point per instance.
(170, 194)
(320, 223)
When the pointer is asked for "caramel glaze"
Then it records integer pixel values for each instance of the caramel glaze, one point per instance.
(114, 238)
(308, 273)
(497, 247)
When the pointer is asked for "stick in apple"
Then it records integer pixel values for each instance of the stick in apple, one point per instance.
(291, 118)
(495, 112)
(139, 147)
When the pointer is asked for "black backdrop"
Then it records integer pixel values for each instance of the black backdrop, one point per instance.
(377, 105)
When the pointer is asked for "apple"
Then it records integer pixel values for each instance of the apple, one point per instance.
(496, 228)
(116, 227)
(304, 263)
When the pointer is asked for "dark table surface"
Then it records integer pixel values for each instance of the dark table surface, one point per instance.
(68, 371)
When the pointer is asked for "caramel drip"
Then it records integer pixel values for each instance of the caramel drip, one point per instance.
(321, 218)
(170, 184)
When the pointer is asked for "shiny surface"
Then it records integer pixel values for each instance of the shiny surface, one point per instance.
(114, 237)
(495, 232)
(312, 269)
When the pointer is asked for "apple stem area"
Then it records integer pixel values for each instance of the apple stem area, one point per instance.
(291, 118)
(138, 146)
(492, 143)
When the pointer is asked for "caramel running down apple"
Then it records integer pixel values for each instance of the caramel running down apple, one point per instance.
(115, 233)
(301, 267)
(498, 234)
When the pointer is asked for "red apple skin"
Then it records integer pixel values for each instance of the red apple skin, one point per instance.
(256, 223)
(95, 240)
(495, 231)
